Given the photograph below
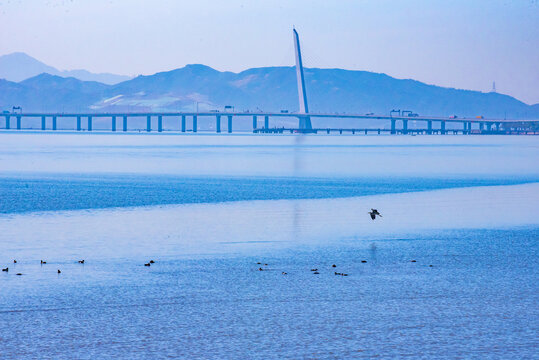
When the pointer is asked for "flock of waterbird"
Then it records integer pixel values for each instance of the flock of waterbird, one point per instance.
(373, 213)
(42, 262)
(314, 271)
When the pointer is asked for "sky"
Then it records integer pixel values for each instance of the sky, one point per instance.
(466, 44)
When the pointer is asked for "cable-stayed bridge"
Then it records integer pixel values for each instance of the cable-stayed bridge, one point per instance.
(398, 124)
(188, 122)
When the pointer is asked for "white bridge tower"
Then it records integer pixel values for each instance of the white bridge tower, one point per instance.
(304, 121)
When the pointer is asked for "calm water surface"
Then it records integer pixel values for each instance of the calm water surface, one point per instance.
(209, 208)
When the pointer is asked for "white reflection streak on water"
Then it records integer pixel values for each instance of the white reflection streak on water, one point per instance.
(255, 226)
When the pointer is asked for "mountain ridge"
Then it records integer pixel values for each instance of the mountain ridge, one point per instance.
(263, 88)
(19, 66)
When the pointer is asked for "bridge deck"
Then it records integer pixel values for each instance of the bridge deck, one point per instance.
(270, 114)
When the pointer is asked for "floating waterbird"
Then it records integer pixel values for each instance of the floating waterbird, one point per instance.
(14, 261)
(333, 265)
(363, 261)
(341, 274)
(283, 273)
(314, 269)
(6, 269)
(316, 273)
(43, 262)
(260, 269)
(81, 261)
(413, 261)
(18, 274)
(373, 213)
(147, 264)
(152, 262)
(59, 272)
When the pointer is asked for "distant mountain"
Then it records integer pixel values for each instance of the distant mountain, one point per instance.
(328, 90)
(268, 89)
(19, 66)
(56, 93)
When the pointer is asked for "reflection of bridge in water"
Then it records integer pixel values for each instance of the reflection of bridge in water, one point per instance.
(482, 126)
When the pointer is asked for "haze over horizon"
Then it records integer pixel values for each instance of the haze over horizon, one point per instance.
(461, 44)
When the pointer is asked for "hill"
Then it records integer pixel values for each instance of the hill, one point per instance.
(268, 89)
(20, 66)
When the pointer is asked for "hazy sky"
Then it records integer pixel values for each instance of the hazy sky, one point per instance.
(456, 43)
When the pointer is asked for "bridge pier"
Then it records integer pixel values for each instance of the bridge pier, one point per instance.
(405, 126)
(113, 119)
(467, 127)
(266, 122)
(393, 126)
(229, 128)
(7, 122)
(124, 123)
(429, 127)
(18, 122)
(195, 125)
(497, 126)
(489, 127)
(255, 122)
(43, 123)
(442, 128)
(481, 126)
(79, 123)
(54, 122)
(218, 123)
(89, 123)
(183, 123)
(159, 123)
(148, 123)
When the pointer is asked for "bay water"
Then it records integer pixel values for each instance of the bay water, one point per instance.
(450, 270)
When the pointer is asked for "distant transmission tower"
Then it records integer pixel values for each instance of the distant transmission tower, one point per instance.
(494, 86)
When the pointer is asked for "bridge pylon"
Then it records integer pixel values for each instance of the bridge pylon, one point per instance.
(304, 121)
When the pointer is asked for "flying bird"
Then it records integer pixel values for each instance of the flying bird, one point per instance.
(373, 213)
